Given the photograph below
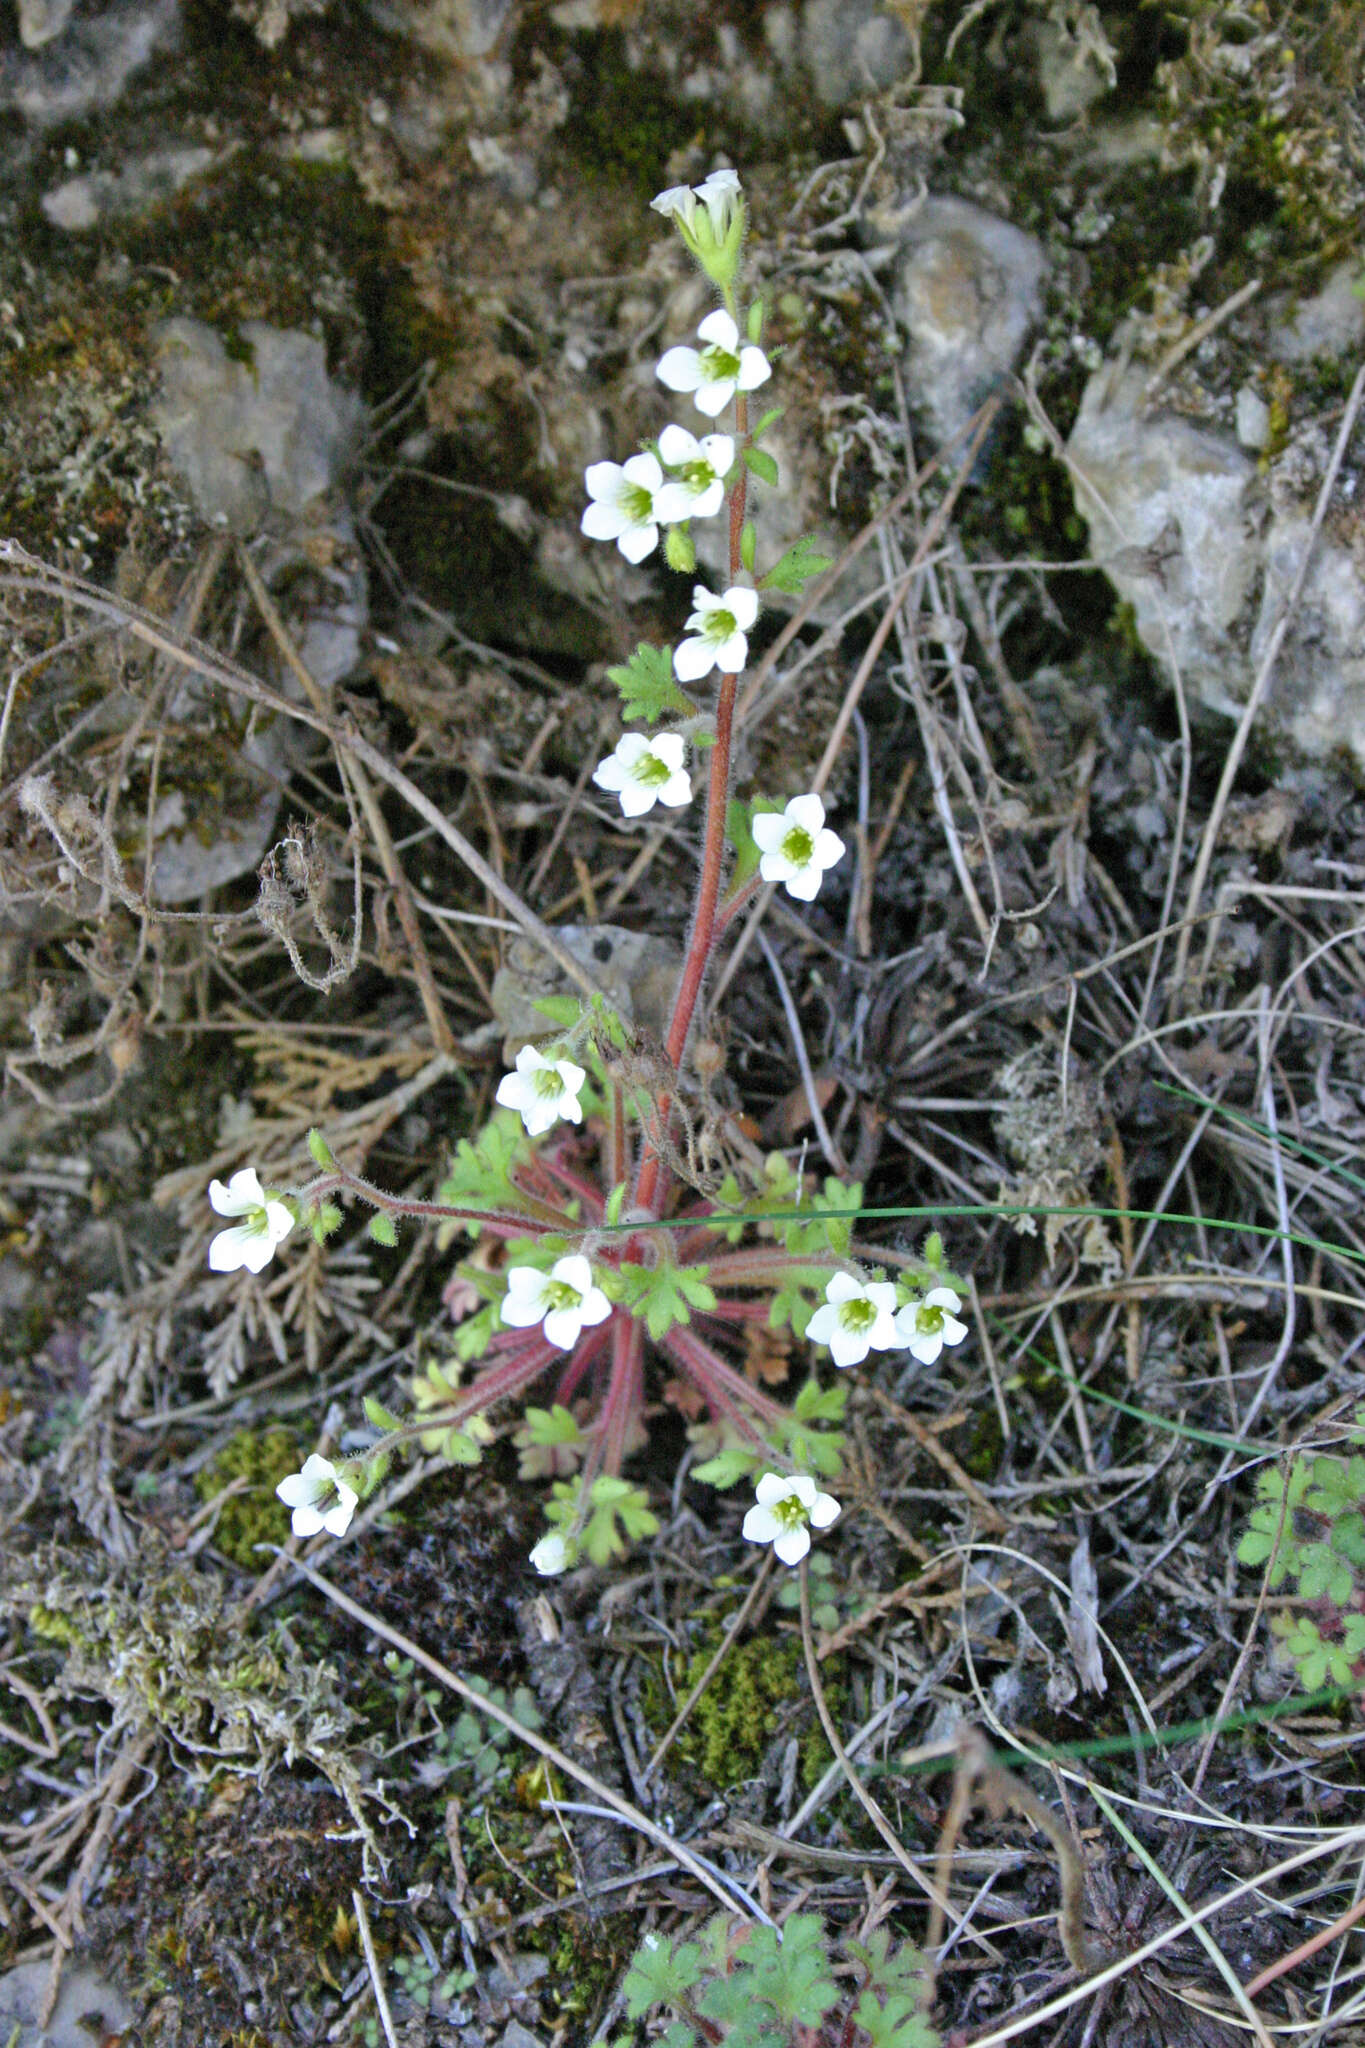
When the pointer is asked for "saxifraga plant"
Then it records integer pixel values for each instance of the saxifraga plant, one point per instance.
(629, 1238)
(748, 1986)
(1308, 1529)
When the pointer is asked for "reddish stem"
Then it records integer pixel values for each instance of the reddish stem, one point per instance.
(625, 1395)
(651, 1186)
(586, 1350)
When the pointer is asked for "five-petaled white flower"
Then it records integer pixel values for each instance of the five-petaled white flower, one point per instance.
(788, 1509)
(644, 772)
(719, 194)
(928, 1324)
(722, 624)
(320, 1498)
(625, 504)
(715, 373)
(565, 1300)
(796, 846)
(698, 490)
(553, 1554)
(266, 1222)
(542, 1090)
(858, 1316)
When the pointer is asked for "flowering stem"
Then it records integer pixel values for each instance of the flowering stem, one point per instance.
(650, 1184)
(724, 1390)
(622, 1405)
(539, 1218)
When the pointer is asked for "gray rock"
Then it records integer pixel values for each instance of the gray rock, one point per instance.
(636, 971)
(853, 48)
(259, 445)
(968, 287)
(88, 2007)
(1330, 323)
(81, 203)
(1205, 551)
(1074, 59)
(251, 438)
(1253, 418)
(84, 69)
(42, 21)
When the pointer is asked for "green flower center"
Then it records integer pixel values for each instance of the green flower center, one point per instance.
(859, 1313)
(929, 1319)
(547, 1083)
(638, 504)
(719, 366)
(650, 772)
(698, 475)
(789, 1512)
(720, 626)
(798, 846)
(559, 1294)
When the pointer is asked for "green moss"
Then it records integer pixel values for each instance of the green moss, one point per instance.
(261, 1459)
(760, 1689)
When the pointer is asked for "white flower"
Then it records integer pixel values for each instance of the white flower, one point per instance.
(721, 623)
(624, 505)
(930, 1323)
(644, 772)
(787, 1511)
(720, 195)
(542, 1090)
(715, 373)
(265, 1223)
(796, 847)
(564, 1300)
(320, 1498)
(699, 492)
(858, 1316)
(678, 203)
(553, 1554)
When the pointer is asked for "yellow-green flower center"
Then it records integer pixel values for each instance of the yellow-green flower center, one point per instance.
(858, 1314)
(798, 846)
(789, 1512)
(698, 475)
(929, 1319)
(547, 1083)
(559, 1295)
(720, 626)
(720, 366)
(638, 504)
(650, 772)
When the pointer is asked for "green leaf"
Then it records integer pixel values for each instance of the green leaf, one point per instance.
(660, 1973)
(480, 1176)
(615, 1202)
(383, 1229)
(612, 1501)
(748, 545)
(321, 1151)
(474, 1335)
(727, 1468)
(647, 686)
(755, 322)
(665, 1295)
(739, 833)
(323, 1219)
(764, 468)
(378, 1415)
(563, 1011)
(796, 567)
(769, 419)
(680, 550)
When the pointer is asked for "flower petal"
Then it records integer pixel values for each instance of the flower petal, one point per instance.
(720, 331)
(680, 369)
(791, 1546)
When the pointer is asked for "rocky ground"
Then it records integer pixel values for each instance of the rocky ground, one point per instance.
(311, 317)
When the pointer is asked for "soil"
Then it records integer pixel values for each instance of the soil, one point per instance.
(1068, 1001)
